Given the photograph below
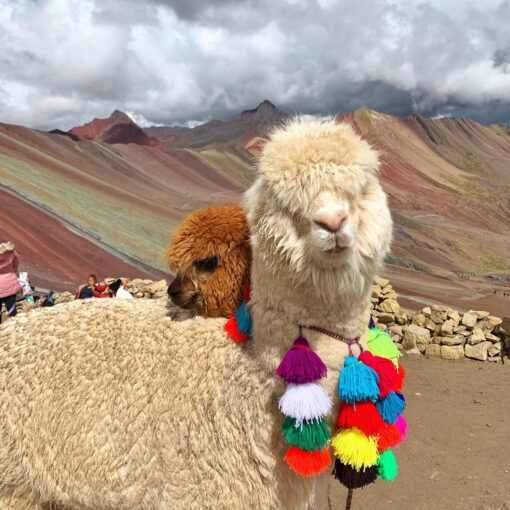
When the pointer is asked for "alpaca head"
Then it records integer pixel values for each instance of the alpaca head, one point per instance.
(211, 256)
(317, 213)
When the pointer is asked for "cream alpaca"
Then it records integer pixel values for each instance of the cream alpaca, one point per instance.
(156, 414)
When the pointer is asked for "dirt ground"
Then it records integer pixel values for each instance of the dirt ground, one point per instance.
(457, 455)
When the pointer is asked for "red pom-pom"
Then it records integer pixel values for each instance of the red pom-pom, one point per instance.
(247, 292)
(362, 415)
(308, 463)
(233, 332)
(388, 437)
(384, 368)
(401, 374)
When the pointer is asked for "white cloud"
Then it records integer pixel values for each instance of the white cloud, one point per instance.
(66, 61)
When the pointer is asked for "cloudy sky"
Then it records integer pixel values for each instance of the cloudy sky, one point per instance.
(63, 62)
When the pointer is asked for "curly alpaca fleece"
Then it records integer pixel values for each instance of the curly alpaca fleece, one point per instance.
(218, 233)
(149, 413)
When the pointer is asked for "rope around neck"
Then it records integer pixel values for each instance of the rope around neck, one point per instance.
(349, 341)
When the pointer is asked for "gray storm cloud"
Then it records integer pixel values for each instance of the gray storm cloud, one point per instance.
(65, 61)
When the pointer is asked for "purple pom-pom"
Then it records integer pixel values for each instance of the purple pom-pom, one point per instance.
(301, 365)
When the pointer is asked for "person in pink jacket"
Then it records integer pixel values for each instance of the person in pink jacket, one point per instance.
(9, 283)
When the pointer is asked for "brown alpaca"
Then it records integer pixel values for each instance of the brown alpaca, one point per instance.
(211, 256)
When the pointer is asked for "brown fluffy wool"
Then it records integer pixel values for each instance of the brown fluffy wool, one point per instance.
(218, 231)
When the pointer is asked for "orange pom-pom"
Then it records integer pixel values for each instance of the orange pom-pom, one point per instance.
(399, 383)
(233, 332)
(388, 437)
(362, 415)
(308, 463)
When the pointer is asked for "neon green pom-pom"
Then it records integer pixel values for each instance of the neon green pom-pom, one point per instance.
(379, 343)
(387, 465)
(310, 435)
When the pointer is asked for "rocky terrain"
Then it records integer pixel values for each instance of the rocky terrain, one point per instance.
(111, 191)
(434, 331)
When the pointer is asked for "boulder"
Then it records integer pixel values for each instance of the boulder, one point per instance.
(455, 317)
(492, 338)
(469, 320)
(389, 305)
(433, 351)
(419, 319)
(494, 349)
(478, 351)
(396, 330)
(476, 337)
(438, 316)
(429, 324)
(479, 314)
(382, 282)
(376, 291)
(494, 321)
(452, 351)
(447, 327)
(385, 318)
(156, 287)
(452, 340)
(416, 337)
(426, 311)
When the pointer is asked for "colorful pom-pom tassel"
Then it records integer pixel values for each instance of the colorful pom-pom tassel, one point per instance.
(388, 437)
(307, 463)
(244, 319)
(390, 407)
(351, 478)
(401, 425)
(387, 466)
(355, 448)
(380, 343)
(309, 435)
(401, 374)
(232, 330)
(301, 364)
(357, 382)
(384, 368)
(305, 402)
(362, 415)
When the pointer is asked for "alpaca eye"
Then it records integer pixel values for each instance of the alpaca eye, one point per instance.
(208, 264)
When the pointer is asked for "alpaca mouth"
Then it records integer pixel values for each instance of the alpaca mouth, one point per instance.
(337, 249)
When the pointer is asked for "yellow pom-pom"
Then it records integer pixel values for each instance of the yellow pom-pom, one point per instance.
(355, 448)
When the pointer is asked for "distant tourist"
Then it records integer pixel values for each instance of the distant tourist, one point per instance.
(9, 282)
(118, 288)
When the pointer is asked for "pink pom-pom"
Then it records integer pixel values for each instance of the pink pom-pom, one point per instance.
(401, 425)
(301, 364)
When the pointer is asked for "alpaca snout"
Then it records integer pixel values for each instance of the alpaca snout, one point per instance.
(331, 220)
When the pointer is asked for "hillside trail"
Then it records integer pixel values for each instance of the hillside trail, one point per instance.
(457, 455)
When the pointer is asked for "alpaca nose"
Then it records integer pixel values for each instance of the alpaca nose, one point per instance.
(331, 221)
(174, 291)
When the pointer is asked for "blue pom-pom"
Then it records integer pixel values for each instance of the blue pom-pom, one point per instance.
(391, 406)
(358, 382)
(243, 319)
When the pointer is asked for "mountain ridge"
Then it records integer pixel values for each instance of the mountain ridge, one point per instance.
(448, 182)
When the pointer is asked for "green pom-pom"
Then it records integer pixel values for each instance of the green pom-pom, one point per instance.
(310, 435)
(387, 465)
(380, 343)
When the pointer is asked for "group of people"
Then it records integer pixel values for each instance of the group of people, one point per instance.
(94, 289)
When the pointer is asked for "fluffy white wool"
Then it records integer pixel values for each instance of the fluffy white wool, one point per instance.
(153, 414)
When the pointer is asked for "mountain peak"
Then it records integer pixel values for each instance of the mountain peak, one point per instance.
(117, 128)
(264, 107)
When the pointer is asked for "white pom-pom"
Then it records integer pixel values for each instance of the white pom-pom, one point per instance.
(305, 402)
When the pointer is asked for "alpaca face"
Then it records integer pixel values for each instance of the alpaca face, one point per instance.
(210, 254)
(317, 211)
